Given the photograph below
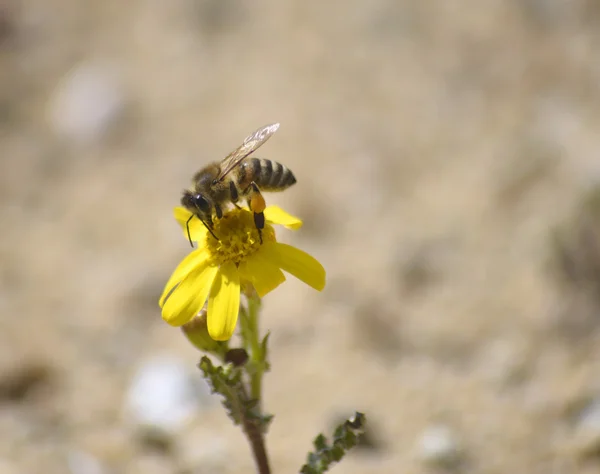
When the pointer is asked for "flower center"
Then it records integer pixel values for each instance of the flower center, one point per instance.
(238, 237)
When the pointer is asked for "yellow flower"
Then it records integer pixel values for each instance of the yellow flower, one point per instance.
(217, 269)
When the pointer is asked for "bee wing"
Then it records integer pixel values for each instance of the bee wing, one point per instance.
(251, 143)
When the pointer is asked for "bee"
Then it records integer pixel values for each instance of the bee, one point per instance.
(235, 178)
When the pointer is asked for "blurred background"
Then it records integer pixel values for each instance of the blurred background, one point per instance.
(447, 157)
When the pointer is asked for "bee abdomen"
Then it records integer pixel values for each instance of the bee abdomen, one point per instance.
(271, 175)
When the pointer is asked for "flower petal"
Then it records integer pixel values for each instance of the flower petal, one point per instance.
(189, 297)
(276, 215)
(197, 229)
(298, 263)
(195, 259)
(224, 303)
(264, 275)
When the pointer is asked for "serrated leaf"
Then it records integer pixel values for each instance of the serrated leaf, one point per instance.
(264, 346)
(345, 438)
(227, 383)
(320, 442)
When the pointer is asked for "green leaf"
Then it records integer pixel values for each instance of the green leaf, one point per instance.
(345, 437)
(264, 346)
(227, 382)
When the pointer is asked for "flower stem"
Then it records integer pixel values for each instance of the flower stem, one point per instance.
(258, 356)
(241, 408)
(254, 429)
(257, 444)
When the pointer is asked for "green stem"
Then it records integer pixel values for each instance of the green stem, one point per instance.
(254, 428)
(256, 438)
(258, 356)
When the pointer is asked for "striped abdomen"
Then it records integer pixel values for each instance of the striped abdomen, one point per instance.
(269, 175)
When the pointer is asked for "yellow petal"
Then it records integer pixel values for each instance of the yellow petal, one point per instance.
(224, 303)
(276, 215)
(195, 259)
(298, 263)
(264, 275)
(189, 297)
(197, 229)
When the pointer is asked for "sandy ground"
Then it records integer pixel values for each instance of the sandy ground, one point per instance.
(445, 151)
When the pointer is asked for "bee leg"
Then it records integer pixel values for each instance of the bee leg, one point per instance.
(257, 205)
(233, 193)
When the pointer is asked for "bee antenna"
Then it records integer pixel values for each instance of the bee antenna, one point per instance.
(210, 230)
(187, 226)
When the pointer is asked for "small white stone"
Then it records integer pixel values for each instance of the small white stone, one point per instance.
(87, 102)
(165, 394)
(438, 445)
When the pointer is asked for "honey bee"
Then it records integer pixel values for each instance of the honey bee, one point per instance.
(236, 177)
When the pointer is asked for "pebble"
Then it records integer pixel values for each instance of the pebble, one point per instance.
(87, 103)
(165, 394)
(439, 446)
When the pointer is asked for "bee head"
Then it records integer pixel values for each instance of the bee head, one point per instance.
(195, 202)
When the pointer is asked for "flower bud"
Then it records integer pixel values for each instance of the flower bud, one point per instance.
(197, 333)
